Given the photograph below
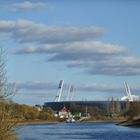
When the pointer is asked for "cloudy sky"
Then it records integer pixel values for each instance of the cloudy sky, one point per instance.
(91, 44)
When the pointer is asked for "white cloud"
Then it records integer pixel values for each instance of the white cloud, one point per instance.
(36, 85)
(33, 85)
(84, 50)
(92, 87)
(25, 31)
(95, 58)
(126, 66)
(100, 87)
(77, 45)
(88, 50)
(27, 5)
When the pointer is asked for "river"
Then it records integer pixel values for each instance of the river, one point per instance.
(77, 131)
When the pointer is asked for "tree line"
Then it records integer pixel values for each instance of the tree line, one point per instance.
(133, 111)
(26, 113)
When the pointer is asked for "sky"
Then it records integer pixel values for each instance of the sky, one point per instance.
(90, 44)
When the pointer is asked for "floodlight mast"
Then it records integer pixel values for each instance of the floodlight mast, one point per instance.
(59, 92)
(68, 95)
(128, 91)
(72, 92)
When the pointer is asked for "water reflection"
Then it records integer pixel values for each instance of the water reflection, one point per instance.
(78, 131)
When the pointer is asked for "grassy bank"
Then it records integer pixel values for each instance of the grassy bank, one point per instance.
(36, 122)
(51, 121)
(106, 120)
(132, 123)
(103, 121)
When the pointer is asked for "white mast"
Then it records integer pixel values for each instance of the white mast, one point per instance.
(68, 95)
(72, 92)
(128, 91)
(59, 92)
(130, 97)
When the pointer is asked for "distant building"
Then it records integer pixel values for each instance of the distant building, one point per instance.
(64, 113)
(39, 107)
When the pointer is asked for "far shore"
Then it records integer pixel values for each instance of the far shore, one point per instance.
(130, 123)
(37, 122)
(94, 121)
(30, 122)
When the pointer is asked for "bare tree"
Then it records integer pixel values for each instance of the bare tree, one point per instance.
(7, 121)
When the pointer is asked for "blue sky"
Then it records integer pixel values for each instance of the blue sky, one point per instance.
(92, 44)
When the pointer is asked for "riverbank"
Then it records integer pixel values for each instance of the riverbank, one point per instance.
(30, 122)
(94, 121)
(132, 123)
(120, 122)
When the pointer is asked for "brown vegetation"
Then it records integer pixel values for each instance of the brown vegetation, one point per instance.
(133, 111)
(6, 121)
(132, 114)
(30, 113)
(6, 110)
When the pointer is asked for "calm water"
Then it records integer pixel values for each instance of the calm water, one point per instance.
(78, 131)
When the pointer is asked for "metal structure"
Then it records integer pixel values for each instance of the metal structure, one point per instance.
(70, 93)
(130, 97)
(59, 92)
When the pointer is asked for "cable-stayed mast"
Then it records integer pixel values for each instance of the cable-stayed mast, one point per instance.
(130, 97)
(72, 92)
(128, 91)
(68, 95)
(59, 92)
